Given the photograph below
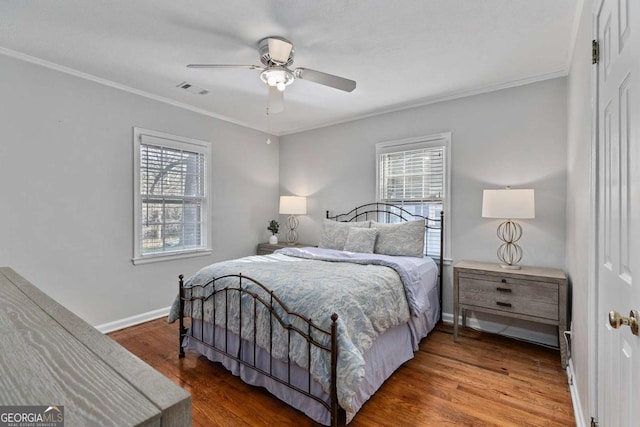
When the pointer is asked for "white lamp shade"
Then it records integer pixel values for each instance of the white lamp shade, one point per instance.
(293, 205)
(508, 204)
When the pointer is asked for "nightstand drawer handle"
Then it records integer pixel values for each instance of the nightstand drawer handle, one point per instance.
(504, 280)
(503, 304)
(507, 290)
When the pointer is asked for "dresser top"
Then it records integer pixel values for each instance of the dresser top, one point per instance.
(554, 273)
(54, 357)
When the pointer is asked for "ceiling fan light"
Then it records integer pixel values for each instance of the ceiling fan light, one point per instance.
(277, 77)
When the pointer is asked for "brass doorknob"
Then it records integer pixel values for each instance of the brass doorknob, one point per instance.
(615, 320)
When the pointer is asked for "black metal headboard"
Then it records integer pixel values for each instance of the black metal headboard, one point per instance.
(385, 212)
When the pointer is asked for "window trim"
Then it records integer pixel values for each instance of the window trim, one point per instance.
(442, 139)
(179, 142)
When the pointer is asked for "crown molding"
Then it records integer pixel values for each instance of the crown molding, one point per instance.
(119, 86)
(450, 96)
(395, 108)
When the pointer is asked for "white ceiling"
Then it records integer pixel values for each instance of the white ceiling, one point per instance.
(401, 53)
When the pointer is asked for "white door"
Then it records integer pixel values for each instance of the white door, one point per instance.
(618, 210)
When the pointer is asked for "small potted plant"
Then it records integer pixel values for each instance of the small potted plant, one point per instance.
(273, 227)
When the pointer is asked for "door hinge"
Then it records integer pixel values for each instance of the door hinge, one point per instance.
(595, 52)
(594, 423)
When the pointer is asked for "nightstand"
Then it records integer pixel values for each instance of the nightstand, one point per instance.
(268, 248)
(531, 293)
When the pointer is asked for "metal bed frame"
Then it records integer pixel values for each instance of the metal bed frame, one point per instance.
(274, 306)
(389, 211)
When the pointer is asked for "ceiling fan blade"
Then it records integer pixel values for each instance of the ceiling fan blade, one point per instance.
(275, 103)
(250, 67)
(325, 79)
(279, 50)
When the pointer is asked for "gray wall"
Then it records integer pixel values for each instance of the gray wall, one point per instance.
(66, 221)
(578, 207)
(66, 187)
(511, 137)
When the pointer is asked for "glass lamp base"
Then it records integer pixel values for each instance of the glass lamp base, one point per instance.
(510, 267)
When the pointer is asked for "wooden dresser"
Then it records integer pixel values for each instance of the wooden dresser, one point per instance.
(531, 293)
(49, 356)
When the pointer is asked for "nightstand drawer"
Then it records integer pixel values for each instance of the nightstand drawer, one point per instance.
(537, 294)
(530, 298)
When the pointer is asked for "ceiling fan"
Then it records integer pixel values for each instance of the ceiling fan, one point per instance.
(276, 53)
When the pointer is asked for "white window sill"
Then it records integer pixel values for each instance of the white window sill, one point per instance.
(445, 261)
(147, 259)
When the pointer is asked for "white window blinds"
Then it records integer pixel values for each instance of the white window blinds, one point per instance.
(412, 174)
(172, 198)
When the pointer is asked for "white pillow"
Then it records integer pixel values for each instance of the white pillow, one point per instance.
(334, 233)
(361, 240)
(404, 239)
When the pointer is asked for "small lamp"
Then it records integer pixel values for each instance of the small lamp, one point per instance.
(509, 204)
(292, 206)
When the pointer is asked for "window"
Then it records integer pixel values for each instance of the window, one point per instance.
(171, 196)
(414, 173)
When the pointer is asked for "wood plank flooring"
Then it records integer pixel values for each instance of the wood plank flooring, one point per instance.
(483, 380)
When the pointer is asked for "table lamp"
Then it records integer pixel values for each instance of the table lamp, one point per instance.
(509, 204)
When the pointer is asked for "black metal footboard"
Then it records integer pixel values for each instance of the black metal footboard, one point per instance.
(275, 307)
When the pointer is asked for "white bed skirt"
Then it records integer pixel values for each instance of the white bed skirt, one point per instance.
(388, 353)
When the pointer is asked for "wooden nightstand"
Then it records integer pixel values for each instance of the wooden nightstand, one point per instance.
(531, 293)
(268, 248)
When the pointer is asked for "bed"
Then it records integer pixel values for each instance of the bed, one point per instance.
(321, 328)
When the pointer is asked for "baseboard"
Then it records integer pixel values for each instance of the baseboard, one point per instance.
(507, 330)
(575, 397)
(105, 328)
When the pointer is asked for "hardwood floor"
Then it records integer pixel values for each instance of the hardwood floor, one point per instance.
(482, 380)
